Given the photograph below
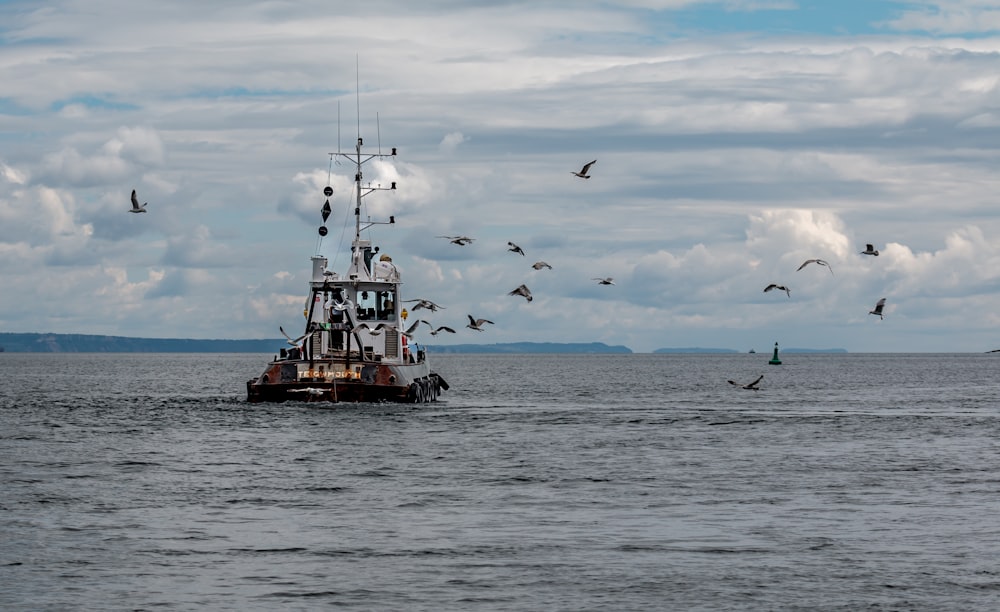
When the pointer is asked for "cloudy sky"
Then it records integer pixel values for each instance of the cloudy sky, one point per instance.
(735, 139)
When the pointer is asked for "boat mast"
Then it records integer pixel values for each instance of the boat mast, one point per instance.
(361, 190)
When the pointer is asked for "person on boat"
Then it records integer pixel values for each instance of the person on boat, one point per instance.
(387, 307)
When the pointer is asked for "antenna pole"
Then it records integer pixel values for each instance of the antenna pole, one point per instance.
(357, 92)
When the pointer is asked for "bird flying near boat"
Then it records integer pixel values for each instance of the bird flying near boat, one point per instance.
(523, 291)
(753, 386)
(459, 240)
(815, 261)
(408, 332)
(604, 281)
(583, 171)
(477, 324)
(292, 342)
(538, 265)
(441, 328)
(421, 303)
(515, 248)
(870, 250)
(135, 204)
(787, 291)
(339, 305)
(879, 305)
(373, 330)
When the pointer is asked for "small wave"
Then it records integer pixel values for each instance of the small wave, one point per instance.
(267, 551)
(697, 549)
(305, 594)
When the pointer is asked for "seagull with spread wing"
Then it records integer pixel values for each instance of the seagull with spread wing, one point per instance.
(815, 261)
(538, 265)
(421, 303)
(515, 248)
(135, 204)
(373, 330)
(523, 291)
(878, 308)
(752, 386)
(583, 171)
(408, 332)
(787, 291)
(293, 342)
(340, 305)
(459, 240)
(477, 324)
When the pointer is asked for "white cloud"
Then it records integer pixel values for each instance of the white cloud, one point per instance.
(451, 141)
(13, 175)
(140, 144)
(129, 152)
(38, 216)
(949, 17)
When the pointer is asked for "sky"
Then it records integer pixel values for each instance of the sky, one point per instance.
(734, 140)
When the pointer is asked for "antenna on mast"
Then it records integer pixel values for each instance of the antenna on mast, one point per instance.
(378, 133)
(357, 90)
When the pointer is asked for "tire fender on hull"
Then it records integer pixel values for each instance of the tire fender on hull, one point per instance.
(422, 391)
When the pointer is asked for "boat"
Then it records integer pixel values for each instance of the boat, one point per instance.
(354, 347)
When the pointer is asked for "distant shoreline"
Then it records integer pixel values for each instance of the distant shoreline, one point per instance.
(93, 343)
(88, 343)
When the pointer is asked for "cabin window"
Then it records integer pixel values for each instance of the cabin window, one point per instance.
(366, 305)
(386, 305)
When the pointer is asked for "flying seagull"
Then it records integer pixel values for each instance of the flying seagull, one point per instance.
(292, 342)
(477, 324)
(583, 171)
(429, 305)
(538, 265)
(135, 204)
(879, 305)
(604, 281)
(442, 328)
(752, 385)
(870, 250)
(373, 330)
(815, 261)
(515, 248)
(408, 332)
(339, 305)
(787, 291)
(523, 291)
(459, 240)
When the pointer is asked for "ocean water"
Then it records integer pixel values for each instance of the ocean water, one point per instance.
(541, 482)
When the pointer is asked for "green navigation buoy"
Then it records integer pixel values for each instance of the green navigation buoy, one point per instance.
(775, 360)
